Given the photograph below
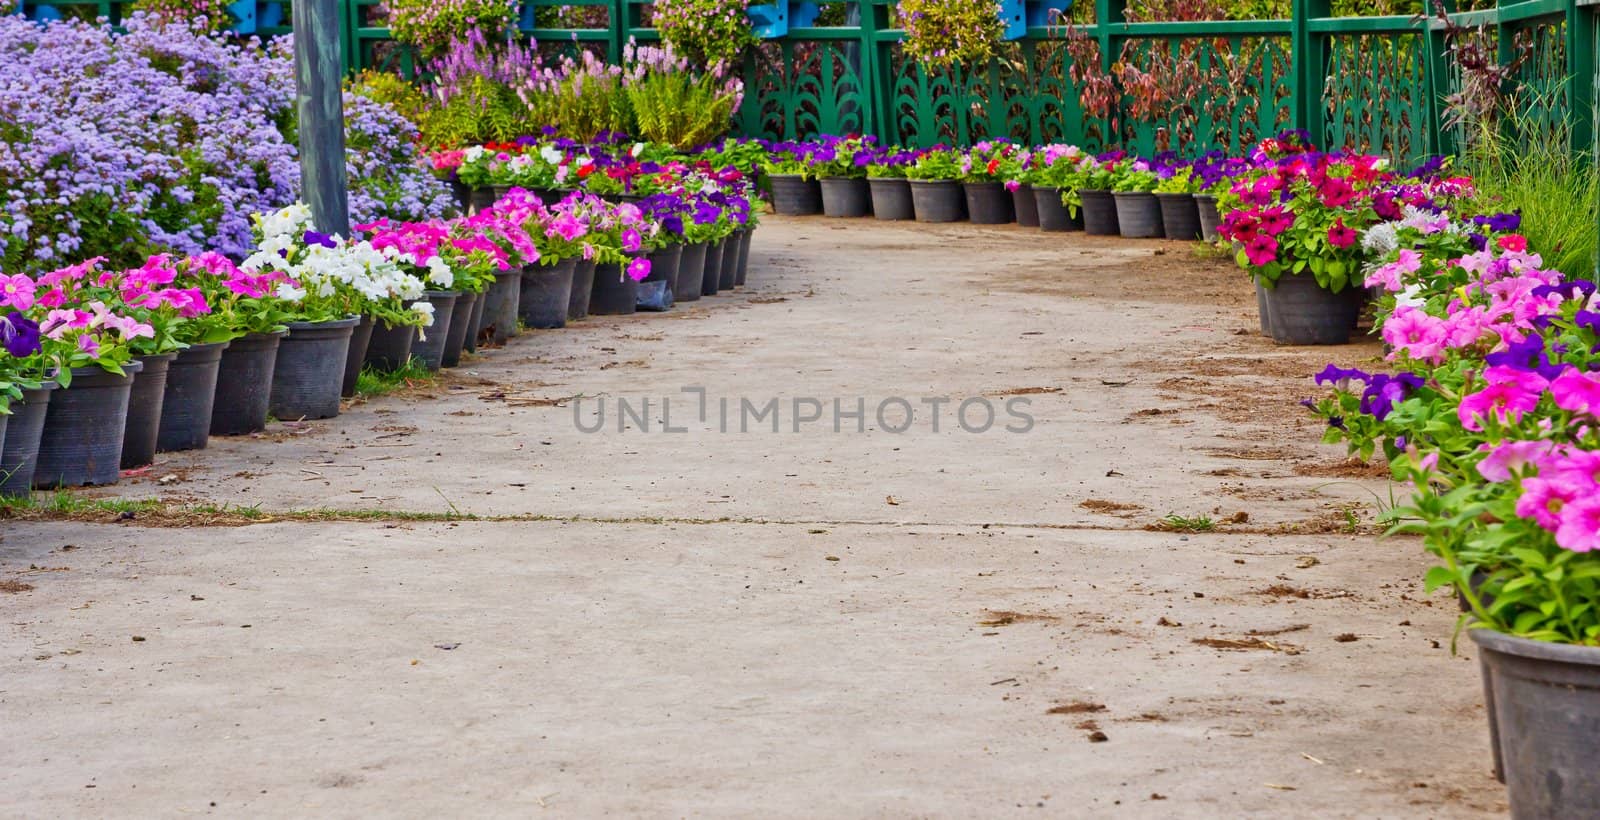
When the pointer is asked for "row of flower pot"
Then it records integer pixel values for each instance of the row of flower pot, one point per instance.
(103, 423)
(1295, 312)
(1132, 214)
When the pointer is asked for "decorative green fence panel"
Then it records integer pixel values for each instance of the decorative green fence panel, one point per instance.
(1366, 83)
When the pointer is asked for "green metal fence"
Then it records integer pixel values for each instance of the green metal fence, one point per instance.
(1374, 84)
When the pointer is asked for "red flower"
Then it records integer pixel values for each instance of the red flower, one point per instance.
(585, 170)
(1336, 192)
(994, 166)
(1340, 236)
(1261, 251)
(1243, 229)
(1276, 220)
(1516, 243)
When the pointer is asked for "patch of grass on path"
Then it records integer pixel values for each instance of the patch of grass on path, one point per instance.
(373, 383)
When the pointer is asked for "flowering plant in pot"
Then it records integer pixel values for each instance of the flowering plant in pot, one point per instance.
(1138, 210)
(841, 162)
(1493, 419)
(712, 33)
(941, 33)
(886, 181)
(430, 25)
(790, 169)
(1089, 191)
(984, 170)
(1295, 224)
(1180, 213)
(415, 248)
(81, 441)
(936, 192)
(546, 168)
(1052, 173)
(615, 241)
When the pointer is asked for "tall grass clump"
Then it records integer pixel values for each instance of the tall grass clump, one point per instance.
(1520, 163)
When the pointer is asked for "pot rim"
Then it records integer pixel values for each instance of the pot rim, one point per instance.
(129, 368)
(348, 321)
(1497, 641)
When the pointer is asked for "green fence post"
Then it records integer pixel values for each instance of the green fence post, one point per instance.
(1309, 66)
(867, 53)
(1438, 68)
(616, 29)
(1580, 76)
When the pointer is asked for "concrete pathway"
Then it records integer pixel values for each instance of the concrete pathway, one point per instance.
(730, 621)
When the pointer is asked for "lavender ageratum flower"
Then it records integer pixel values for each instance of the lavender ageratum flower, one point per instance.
(167, 138)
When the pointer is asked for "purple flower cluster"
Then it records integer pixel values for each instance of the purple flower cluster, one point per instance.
(163, 138)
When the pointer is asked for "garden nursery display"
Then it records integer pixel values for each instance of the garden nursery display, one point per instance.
(163, 280)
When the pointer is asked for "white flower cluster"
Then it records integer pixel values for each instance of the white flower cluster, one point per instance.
(373, 274)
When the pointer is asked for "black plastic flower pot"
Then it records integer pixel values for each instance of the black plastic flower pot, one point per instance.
(938, 200)
(1210, 218)
(1543, 701)
(891, 199)
(461, 328)
(730, 262)
(460, 194)
(744, 256)
(1099, 212)
(988, 203)
(1025, 206)
(615, 292)
(1052, 212)
(711, 282)
(83, 429)
(429, 346)
(1138, 215)
(795, 196)
(481, 199)
(664, 266)
(691, 273)
(308, 377)
(1263, 309)
(144, 411)
(389, 349)
(190, 396)
(244, 384)
(475, 326)
(582, 290)
(19, 454)
(1180, 216)
(845, 197)
(1301, 312)
(356, 356)
(546, 293)
(500, 311)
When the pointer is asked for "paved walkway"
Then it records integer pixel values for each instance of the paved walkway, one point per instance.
(781, 624)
